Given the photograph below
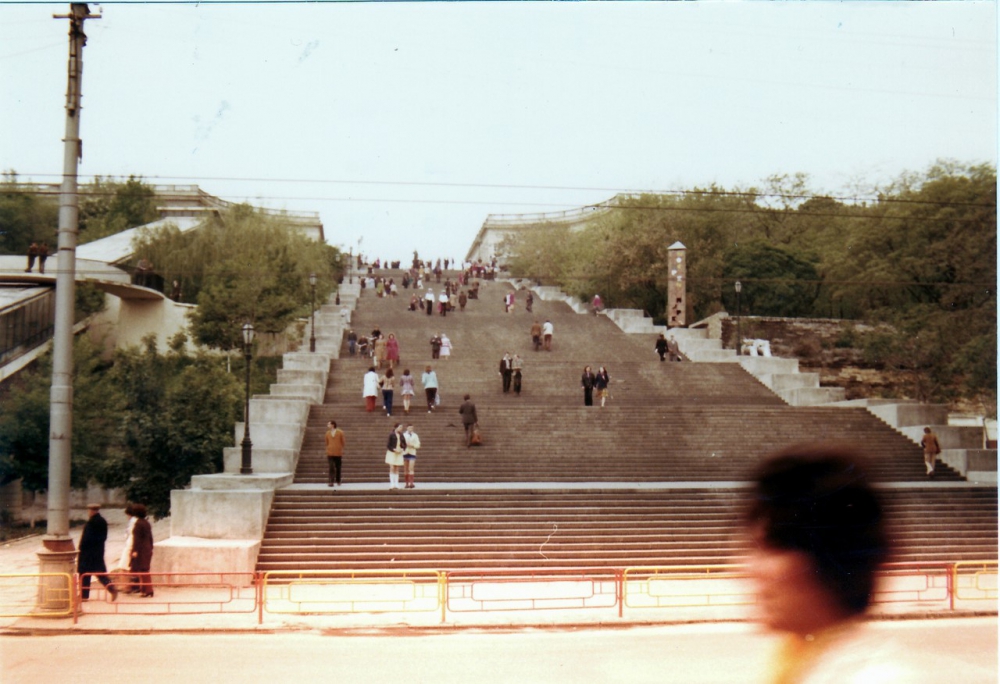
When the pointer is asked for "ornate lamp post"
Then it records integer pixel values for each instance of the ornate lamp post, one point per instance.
(739, 334)
(245, 466)
(312, 314)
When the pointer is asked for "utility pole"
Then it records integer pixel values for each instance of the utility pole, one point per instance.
(59, 553)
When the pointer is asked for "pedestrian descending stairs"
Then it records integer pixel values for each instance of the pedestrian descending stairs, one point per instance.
(657, 476)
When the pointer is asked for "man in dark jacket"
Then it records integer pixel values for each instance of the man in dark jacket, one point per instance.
(91, 556)
(469, 418)
(506, 371)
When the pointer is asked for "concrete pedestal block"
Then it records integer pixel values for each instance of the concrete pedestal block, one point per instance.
(314, 394)
(685, 335)
(688, 346)
(976, 465)
(272, 435)
(219, 514)
(900, 415)
(277, 409)
(264, 461)
(811, 396)
(305, 361)
(636, 326)
(548, 292)
(302, 377)
(331, 349)
(713, 356)
(767, 365)
(237, 482)
(193, 554)
(782, 381)
(55, 592)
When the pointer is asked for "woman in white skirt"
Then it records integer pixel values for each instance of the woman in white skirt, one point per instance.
(406, 387)
(445, 347)
(127, 582)
(394, 454)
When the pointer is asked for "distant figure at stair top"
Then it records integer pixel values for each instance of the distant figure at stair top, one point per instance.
(32, 255)
(429, 302)
(547, 335)
(529, 301)
(143, 272)
(756, 347)
(536, 336)
(43, 254)
(597, 304)
(673, 349)
(508, 302)
(661, 347)
(932, 448)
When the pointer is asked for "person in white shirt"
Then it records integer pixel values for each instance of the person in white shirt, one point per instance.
(547, 335)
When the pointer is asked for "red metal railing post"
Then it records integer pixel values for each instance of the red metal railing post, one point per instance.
(443, 591)
(620, 590)
(75, 602)
(258, 582)
(952, 584)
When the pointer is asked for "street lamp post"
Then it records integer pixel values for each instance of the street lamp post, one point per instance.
(245, 466)
(312, 325)
(739, 333)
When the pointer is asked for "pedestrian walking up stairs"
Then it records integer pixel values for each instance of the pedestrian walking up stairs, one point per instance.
(656, 476)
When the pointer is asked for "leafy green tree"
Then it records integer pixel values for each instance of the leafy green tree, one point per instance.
(24, 421)
(775, 282)
(242, 266)
(179, 414)
(108, 206)
(921, 257)
(24, 217)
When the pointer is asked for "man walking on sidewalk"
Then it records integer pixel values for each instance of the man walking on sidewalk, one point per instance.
(91, 559)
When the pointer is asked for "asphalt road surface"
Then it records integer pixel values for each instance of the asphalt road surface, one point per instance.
(963, 650)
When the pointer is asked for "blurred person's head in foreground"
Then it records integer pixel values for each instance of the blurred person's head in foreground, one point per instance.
(818, 534)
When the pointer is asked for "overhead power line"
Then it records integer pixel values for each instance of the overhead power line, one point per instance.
(854, 199)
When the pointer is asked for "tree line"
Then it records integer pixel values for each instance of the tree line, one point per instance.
(917, 257)
(146, 421)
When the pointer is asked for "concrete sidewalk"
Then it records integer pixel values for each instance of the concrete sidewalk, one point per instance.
(224, 608)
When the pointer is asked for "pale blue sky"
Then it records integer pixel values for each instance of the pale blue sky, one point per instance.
(591, 96)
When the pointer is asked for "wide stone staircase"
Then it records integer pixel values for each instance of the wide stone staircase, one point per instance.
(657, 476)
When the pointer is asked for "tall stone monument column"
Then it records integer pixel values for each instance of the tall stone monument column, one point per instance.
(677, 286)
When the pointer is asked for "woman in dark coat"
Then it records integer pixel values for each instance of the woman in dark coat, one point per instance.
(142, 550)
(587, 382)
